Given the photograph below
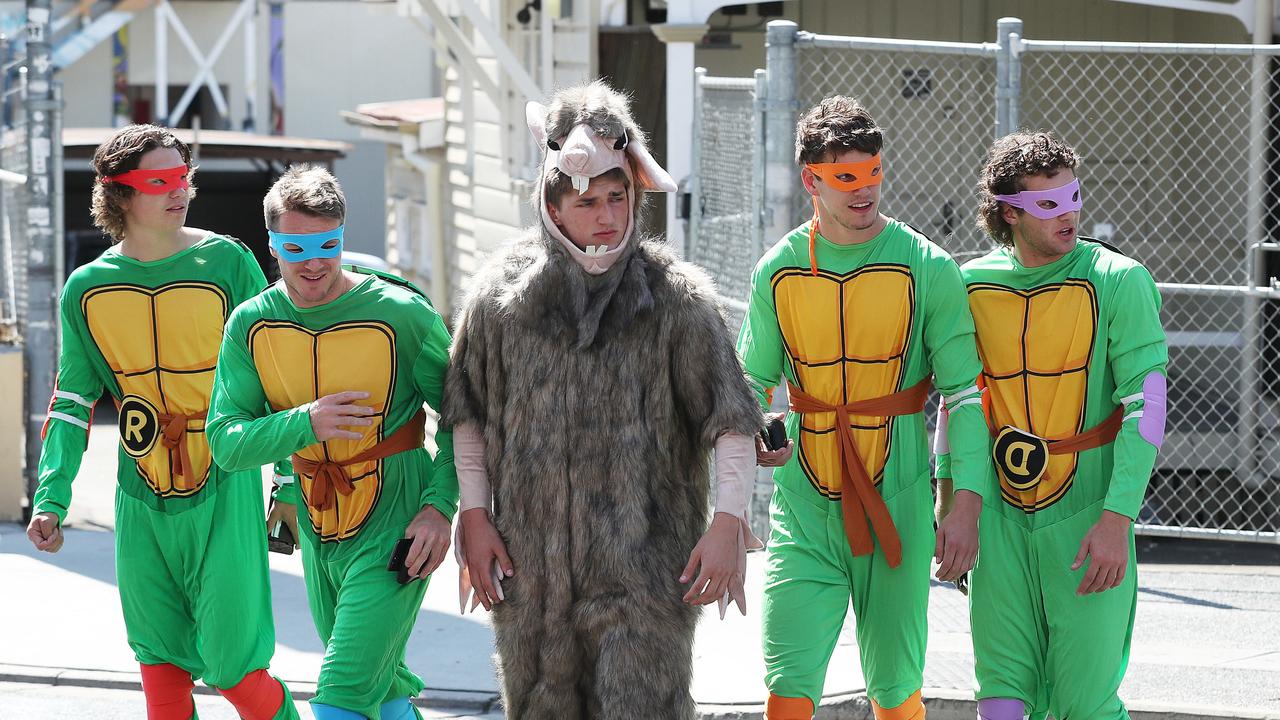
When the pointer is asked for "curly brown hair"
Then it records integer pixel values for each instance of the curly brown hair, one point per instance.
(1013, 158)
(308, 189)
(836, 124)
(121, 153)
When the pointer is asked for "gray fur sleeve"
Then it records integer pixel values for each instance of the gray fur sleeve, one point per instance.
(466, 381)
(706, 372)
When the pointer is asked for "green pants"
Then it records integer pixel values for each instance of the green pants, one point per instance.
(1034, 638)
(811, 577)
(194, 585)
(364, 618)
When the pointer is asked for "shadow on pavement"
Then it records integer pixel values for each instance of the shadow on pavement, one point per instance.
(1184, 551)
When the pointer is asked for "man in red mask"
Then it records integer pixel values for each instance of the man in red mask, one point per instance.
(144, 322)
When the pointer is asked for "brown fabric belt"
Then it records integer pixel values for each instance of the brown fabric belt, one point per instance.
(864, 509)
(1096, 436)
(173, 430)
(173, 433)
(331, 475)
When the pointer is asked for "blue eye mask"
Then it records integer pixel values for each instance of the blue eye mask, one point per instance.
(311, 245)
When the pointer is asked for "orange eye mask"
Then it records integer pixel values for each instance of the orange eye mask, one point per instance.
(865, 173)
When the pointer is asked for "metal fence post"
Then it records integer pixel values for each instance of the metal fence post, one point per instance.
(1008, 74)
(760, 211)
(695, 176)
(781, 175)
(1255, 235)
(40, 331)
(57, 203)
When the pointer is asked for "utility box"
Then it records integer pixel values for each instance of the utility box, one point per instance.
(13, 486)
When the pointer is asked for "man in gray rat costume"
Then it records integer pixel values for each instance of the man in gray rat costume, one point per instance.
(592, 376)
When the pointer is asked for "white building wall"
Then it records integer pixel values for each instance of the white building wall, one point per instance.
(489, 152)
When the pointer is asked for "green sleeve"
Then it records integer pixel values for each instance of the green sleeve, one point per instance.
(243, 434)
(66, 429)
(953, 357)
(760, 345)
(286, 493)
(1136, 348)
(428, 377)
(284, 483)
(942, 466)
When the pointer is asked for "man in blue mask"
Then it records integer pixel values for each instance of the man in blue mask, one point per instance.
(332, 365)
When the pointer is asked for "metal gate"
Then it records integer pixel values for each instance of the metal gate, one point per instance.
(1179, 172)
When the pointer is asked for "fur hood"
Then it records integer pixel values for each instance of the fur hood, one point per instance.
(586, 132)
(534, 281)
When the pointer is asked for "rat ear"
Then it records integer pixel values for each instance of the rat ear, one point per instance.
(649, 174)
(535, 114)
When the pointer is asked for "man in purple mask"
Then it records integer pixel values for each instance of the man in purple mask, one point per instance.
(1073, 359)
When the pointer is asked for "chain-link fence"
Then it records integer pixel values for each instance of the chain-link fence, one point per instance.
(1180, 170)
(934, 106)
(1180, 150)
(725, 235)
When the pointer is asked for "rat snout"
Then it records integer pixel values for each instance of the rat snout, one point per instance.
(574, 160)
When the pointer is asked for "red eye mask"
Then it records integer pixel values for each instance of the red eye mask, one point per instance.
(174, 178)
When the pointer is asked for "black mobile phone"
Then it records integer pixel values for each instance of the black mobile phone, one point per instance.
(281, 539)
(774, 435)
(399, 561)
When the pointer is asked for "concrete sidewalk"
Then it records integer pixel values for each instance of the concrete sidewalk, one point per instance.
(1207, 642)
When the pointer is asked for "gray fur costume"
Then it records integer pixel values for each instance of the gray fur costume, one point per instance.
(599, 398)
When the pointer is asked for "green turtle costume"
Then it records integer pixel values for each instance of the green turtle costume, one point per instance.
(1074, 363)
(383, 337)
(857, 330)
(191, 558)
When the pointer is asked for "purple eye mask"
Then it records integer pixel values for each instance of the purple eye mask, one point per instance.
(1047, 204)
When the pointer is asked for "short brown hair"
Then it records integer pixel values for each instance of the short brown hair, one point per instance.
(558, 184)
(121, 153)
(308, 189)
(836, 124)
(1011, 160)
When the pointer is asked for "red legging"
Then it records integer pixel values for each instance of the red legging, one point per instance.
(168, 692)
(257, 697)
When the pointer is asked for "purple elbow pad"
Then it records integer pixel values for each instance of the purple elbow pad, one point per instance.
(1154, 409)
(1001, 709)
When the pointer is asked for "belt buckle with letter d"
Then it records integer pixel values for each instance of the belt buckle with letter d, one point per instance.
(1021, 456)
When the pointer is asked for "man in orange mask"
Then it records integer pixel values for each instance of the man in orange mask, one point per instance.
(858, 310)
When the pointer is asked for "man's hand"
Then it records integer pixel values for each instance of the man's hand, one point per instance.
(772, 458)
(482, 548)
(284, 512)
(45, 532)
(718, 553)
(956, 549)
(429, 531)
(1107, 547)
(332, 412)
